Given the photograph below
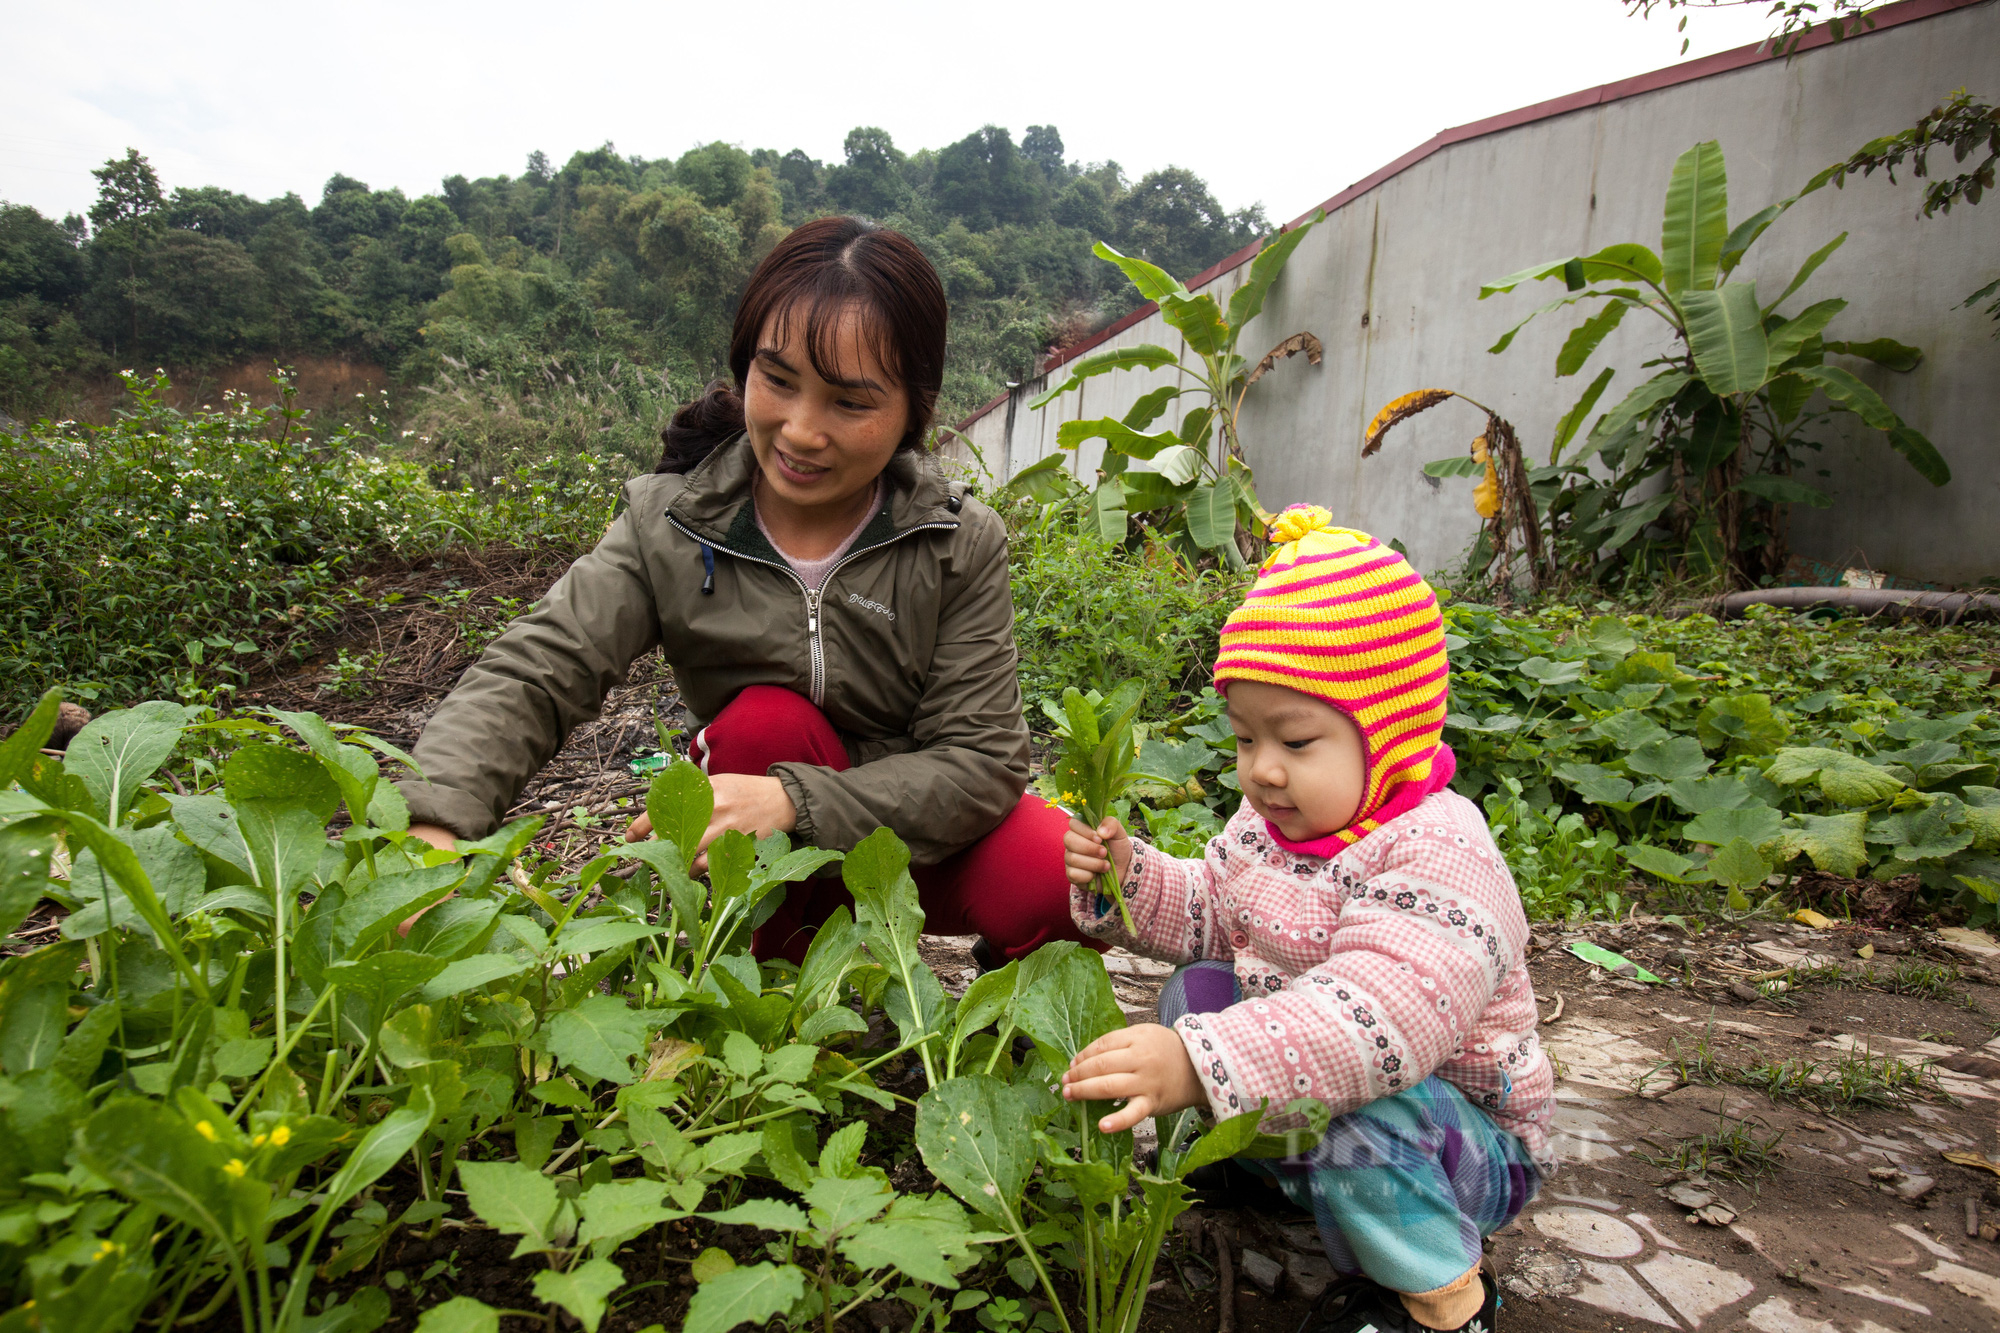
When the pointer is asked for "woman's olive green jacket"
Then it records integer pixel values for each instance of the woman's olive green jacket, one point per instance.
(909, 651)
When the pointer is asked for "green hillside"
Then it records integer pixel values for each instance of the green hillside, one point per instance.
(608, 259)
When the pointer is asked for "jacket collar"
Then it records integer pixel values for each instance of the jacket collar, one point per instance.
(715, 502)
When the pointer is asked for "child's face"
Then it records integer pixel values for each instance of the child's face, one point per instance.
(1301, 761)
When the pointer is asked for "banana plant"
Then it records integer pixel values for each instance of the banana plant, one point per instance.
(1723, 418)
(1198, 484)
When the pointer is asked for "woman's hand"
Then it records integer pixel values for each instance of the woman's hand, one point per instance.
(1087, 854)
(437, 835)
(440, 837)
(1145, 1065)
(757, 806)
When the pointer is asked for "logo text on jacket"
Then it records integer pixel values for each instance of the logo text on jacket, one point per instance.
(856, 599)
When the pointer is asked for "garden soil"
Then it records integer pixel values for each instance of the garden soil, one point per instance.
(1833, 1215)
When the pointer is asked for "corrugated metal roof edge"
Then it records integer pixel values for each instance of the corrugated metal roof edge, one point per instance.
(1723, 62)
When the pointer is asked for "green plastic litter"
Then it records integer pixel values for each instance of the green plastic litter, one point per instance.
(650, 763)
(1617, 964)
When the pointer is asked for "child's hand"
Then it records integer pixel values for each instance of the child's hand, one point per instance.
(1146, 1065)
(1087, 854)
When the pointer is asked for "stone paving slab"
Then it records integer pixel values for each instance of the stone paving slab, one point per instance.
(1801, 1256)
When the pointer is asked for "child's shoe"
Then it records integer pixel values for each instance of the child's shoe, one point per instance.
(1358, 1305)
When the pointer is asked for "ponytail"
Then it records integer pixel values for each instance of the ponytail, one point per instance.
(700, 426)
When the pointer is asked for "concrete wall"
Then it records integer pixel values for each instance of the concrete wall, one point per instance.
(1389, 282)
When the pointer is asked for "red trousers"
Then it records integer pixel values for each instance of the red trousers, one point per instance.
(1009, 886)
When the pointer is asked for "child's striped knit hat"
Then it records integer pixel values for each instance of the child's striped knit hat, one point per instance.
(1340, 616)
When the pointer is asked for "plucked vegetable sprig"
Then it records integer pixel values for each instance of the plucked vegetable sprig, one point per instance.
(1100, 750)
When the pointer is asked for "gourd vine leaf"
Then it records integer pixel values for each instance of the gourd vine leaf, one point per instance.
(1926, 834)
(1844, 779)
(1738, 866)
(1669, 758)
(1836, 844)
(1756, 824)
(1658, 861)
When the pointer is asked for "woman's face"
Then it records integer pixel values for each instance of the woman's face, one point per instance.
(821, 443)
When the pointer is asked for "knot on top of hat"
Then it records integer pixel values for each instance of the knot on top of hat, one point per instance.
(1299, 520)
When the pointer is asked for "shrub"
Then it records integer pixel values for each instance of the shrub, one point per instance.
(1090, 614)
(135, 548)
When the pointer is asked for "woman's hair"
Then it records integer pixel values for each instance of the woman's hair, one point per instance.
(815, 273)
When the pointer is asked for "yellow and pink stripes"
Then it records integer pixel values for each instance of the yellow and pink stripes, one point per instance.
(1338, 615)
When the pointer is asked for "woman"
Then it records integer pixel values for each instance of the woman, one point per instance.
(837, 615)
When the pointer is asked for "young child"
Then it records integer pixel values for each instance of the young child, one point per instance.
(1352, 936)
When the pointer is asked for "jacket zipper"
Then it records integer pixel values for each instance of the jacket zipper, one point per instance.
(816, 648)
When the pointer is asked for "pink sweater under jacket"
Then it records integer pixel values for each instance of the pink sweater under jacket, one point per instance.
(1364, 973)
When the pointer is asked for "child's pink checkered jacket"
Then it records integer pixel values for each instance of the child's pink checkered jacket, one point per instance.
(1402, 957)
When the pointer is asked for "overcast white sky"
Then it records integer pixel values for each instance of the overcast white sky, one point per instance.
(1284, 103)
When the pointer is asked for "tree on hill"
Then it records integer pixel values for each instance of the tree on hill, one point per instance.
(609, 255)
